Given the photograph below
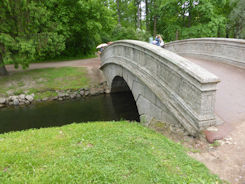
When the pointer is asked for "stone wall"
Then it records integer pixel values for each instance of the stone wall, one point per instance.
(231, 51)
(60, 95)
(165, 86)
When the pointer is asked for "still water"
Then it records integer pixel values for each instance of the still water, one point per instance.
(116, 106)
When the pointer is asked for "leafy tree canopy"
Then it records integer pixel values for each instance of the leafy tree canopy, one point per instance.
(32, 30)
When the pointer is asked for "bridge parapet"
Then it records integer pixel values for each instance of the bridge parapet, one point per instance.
(166, 87)
(230, 51)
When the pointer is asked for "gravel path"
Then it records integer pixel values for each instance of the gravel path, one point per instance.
(93, 62)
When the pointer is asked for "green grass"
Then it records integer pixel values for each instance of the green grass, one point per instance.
(102, 152)
(41, 80)
(45, 94)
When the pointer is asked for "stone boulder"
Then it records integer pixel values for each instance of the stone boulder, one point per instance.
(16, 101)
(82, 92)
(61, 95)
(29, 98)
(2, 100)
(22, 96)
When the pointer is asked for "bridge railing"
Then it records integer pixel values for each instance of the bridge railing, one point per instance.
(230, 51)
(185, 89)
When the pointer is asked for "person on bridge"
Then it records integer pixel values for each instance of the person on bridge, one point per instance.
(158, 41)
(161, 42)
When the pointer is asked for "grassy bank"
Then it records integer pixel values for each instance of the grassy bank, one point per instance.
(43, 82)
(103, 152)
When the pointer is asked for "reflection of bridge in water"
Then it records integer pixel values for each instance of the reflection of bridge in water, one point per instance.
(169, 88)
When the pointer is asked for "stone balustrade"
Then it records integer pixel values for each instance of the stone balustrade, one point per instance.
(230, 51)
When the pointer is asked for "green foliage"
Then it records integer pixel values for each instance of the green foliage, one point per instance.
(100, 152)
(38, 30)
(237, 19)
(82, 23)
(121, 33)
(26, 32)
(193, 20)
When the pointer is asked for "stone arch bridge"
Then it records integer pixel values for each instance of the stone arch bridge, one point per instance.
(168, 87)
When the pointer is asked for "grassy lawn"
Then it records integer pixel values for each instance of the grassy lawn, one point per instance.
(44, 81)
(102, 152)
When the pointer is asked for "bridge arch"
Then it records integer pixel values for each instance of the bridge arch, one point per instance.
(165, 86)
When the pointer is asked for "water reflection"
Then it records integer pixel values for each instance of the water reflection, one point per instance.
(99, 108)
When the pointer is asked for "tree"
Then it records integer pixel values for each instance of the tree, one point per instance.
(83, 23)
(237, 19)
(153, 15)
(118, 12)
(192, 18)
(26, 33)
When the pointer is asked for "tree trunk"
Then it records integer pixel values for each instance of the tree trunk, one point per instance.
(190, 13)
(138, 14)
(218, 32)
(177, 35)
(155, 26)
(146, 15)
(118, 12)
(3, 70)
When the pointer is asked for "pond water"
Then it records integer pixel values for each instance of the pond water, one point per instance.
(115, 106)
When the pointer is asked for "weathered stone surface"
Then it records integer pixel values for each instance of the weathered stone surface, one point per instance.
(29, 98)
(78, 96)
(61, 95)
(22, 97)
(16, 101)
(27, 102)
(45, 99)
(72, 96)
(2, 100)
(12, 98)
(82, 92)
(165, 86)
(107, 91)
(55, 98)
(22, 103)
(231, 51)
(93, 91)
(86, 93)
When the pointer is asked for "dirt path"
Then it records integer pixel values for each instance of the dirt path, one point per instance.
(93, 62)
(228, 159)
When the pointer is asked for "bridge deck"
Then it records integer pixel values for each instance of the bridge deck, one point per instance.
(230, 96)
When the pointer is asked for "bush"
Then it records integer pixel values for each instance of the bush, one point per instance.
(122, 33)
